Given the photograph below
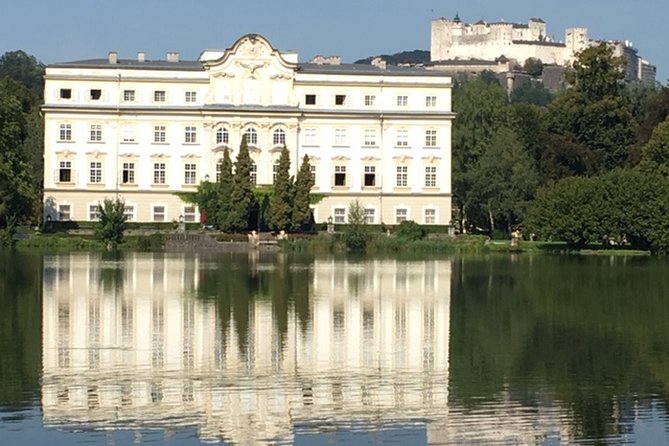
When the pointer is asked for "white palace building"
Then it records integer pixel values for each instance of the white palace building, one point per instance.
(143, 130)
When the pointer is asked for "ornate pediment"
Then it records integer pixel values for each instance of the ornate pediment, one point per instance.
(341, 158)
(402, 158)
(371, 159)
(431, 159)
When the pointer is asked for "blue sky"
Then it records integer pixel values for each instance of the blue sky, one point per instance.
(65, 30)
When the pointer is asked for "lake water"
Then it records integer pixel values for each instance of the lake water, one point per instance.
(186, 349)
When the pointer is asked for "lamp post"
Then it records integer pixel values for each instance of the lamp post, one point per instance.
(182, 224)
(330, 225)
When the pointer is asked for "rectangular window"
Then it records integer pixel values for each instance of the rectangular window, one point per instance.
(275, 171)
(65, 132)
(254, 173)
(190, 173)
(430, 216)
(159, 96)
(64, 212)
(128, 173)
(66, 93)
(340, 176)
(312, 171)
(430, 176)
(370, 216)
(370, 100)
(222, 136)
(96, 132)
(190, 135)
(129, 95)
(340, 99)
(401, 215)
(310, 99)
(402, 176)
(159, 213)
(65, 172)
(402, 138)
(189, 214)
(430, 138)
(340, 137)
(219, 170)
(158, 173)
(191, 96)
(129, 212)
(93, 213)
(95, 94)
(370, 176)
(96, 172)
(159, 134)
(430, 101)
(128, 133)
(370, 137)
(310, 137)
(402, 101)
(340, 215)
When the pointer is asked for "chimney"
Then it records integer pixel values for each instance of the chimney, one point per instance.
(140, 56)
(172, 56)
(113, 57)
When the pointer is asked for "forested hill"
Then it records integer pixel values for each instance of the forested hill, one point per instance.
(411, 57)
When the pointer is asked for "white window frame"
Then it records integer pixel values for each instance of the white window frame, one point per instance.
(189, 214)
(430, 101)
(251, 136)
(64, 212)
(93, 212)
(190, 173)
(156, 207)
(339, 215)
(311, 136)
(128, 133)
(369, 170)
(430, 176)
(369, 139)
(65, 166)
(400, 218)
(254, 172)
(191, 96)
(95, 172)
(340, 169)
(190, 134)
(370, 100)
(159, 134)
(129, 212)
(402, 138)
(65, 132)
(402, 176)
(340, 137)
(402, 100)
(279, 137)
(430, 138)
(95, 133)
(159, 96)
(129, 96)
(222, 135)
(159, 172)
(433, 217)
(129, 167)
(370, 216)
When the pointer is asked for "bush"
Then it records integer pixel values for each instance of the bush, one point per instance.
(409, 231)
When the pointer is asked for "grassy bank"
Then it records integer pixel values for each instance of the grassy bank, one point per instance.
(78, 242)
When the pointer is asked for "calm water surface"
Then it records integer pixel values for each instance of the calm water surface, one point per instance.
(269, 349)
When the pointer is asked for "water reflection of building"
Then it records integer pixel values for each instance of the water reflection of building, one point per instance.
(129, 344)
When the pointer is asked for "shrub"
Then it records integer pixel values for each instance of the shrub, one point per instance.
(409, 231)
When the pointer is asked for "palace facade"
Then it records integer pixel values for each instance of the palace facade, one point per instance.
(143, 130)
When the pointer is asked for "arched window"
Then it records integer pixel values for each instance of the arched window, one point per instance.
(254, 172)
(279, 138)
(251, 136)
(222, 136)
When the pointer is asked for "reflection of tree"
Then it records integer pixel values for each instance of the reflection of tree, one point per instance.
(594, 331)
(235, 283)
(20, 321)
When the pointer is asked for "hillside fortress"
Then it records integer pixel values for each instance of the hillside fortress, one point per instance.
(453, 41)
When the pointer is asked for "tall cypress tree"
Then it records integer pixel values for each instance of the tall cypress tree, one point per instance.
(303, 184)
(224, 195)
(280, 208)
(242, 198)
